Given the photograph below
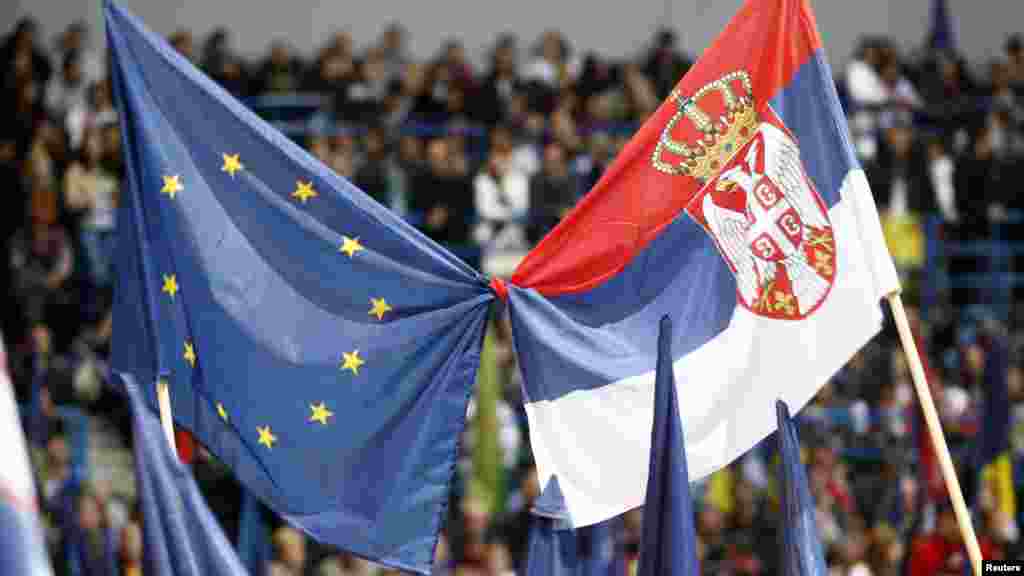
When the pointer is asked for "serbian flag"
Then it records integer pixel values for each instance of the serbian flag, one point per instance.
(22, 542)
(740, 211)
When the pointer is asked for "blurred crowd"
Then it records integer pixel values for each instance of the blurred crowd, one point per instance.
(486, 160)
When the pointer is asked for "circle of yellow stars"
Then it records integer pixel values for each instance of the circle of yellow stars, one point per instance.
(304, 191)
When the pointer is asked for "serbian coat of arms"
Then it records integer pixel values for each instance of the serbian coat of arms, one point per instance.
(755, 199)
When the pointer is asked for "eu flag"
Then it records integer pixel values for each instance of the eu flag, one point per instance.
(669, 540)
(181, 536)
(801, 548)
(318, 345)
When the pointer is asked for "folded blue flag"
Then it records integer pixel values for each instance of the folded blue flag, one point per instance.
(181, 537)
(801, 548)
(318, 345)
(551, 550)
(668, 545)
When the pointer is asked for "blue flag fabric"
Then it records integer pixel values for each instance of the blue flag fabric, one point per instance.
(600, 549)
(802, 554)
(254, 547)
(556, 548)
(318, 345)
(668, 543)
(551, 550)
(181, 537)
(942, 34)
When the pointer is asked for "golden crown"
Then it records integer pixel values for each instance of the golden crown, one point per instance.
(718, 140)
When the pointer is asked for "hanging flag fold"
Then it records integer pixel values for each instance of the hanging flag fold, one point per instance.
(802, 553)
(318, 345)
(668, 543)
(181, 536)
(740, 211)
(555, 548)
(994, 454)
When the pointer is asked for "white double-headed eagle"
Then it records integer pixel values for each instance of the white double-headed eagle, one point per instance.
(732, 229)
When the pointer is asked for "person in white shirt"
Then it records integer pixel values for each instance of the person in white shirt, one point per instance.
(502, 197)
(68, 89)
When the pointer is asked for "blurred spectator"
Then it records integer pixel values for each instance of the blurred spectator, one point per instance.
(640, 95)
(131, 550)
(77, 40)
(182, 42)
(598, 76)
(980, 186)
(85, 539)
(378, 175)
(281, 71)
(494, 96)
(22, 56)
(1015, 61)
(553, 66)
(14, 197)
(942, 552)
(290, 551)
(394, 51)
(515, 526)
(591, 165)
(96, 110)
(91, 193)
(1004, 97)
(552, 193)
(665, 64)
(67, 89)
(41, 262)
(223, 65)
(863, 75)
(442, 197)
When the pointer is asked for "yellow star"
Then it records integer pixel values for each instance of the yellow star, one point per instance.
(170, 285)
(172, 185)
(267, 437)
(222, 412)
(304, 191)
(231, 164)
(350, 246)
(352, 361)
(380, 307)
(320, 413)
(190, 354)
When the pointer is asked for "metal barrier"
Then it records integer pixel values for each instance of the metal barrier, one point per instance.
(994, 279)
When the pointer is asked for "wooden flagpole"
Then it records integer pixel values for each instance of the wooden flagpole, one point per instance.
(931, 418)
(163, 396)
